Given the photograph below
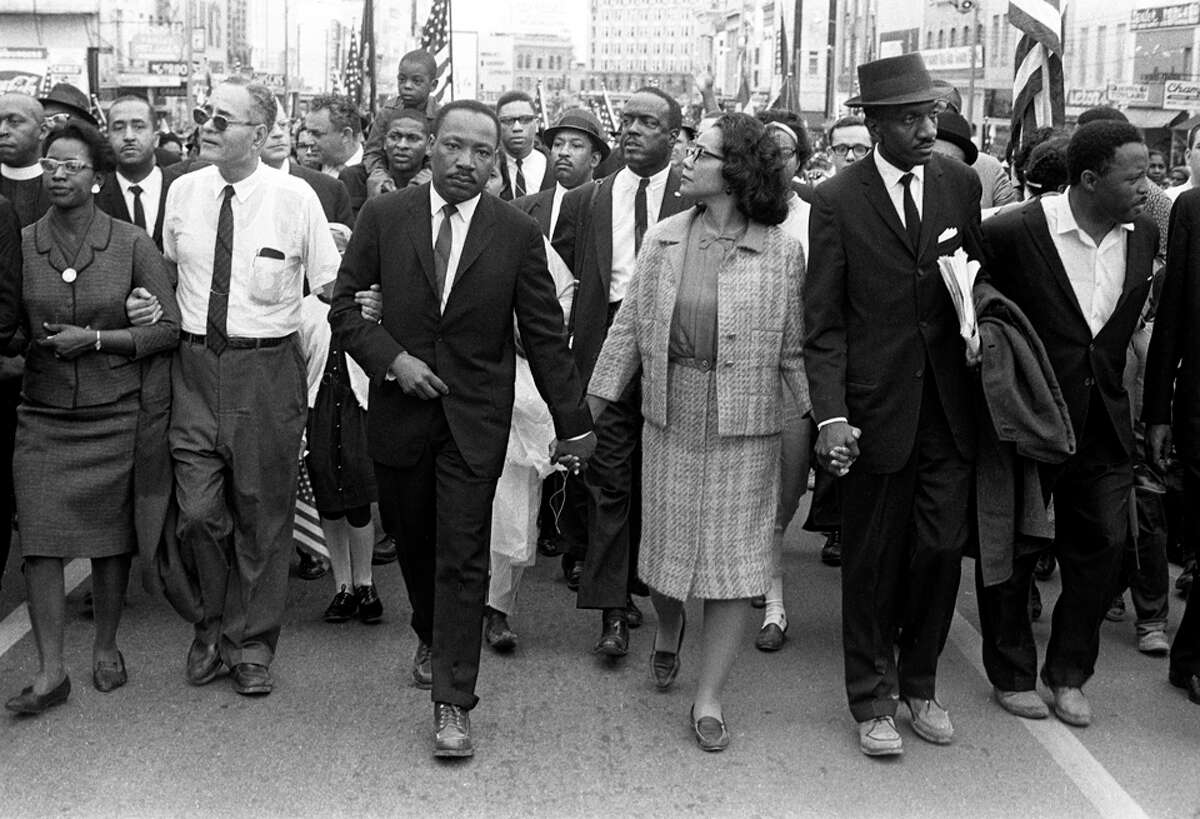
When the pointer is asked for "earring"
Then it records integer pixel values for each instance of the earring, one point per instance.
(95, 187)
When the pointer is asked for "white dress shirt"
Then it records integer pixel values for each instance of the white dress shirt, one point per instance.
(151, 191)
(1173, 193)
(895, 188)
(624, 254)
(272, 211)
(556, 207)
(533, 168)
(460, 224)
(355, 159)
(1097, 274)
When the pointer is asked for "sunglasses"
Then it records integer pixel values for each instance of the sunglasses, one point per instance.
(71, 166)
(201, 114)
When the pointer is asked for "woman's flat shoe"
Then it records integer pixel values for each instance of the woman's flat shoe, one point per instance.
(28, 702)
(109, 676)
(710, 732)
(664, 665)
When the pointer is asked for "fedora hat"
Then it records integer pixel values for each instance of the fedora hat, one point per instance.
(954, 129)
(582, 120)
(901, 80)
(65, 95)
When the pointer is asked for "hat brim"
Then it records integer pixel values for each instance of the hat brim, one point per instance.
(75, 110)
(599, 144)
(969, 149)
(911, 98)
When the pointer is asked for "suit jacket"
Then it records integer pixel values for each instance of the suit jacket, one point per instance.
(111, 200)
(548, 179)
(335, 199)
(1172, 387)
(877, 313)
(470, 346)
(540, 206)
(583, 238)
(758, 323)
(1024, 265)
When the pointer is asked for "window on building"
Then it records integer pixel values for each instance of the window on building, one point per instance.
(1101, 55)
(1081, 68)
(814, 63)
(995, 49)
(953, 38)
(1119, 52)
(941, 39)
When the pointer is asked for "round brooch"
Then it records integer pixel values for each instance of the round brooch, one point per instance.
(69, 275)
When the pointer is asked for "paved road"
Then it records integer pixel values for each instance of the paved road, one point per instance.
(560, 733)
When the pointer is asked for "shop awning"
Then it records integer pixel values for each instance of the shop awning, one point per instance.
(1151, 118)
(1188, 124)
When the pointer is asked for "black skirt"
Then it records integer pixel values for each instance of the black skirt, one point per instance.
(338, 465)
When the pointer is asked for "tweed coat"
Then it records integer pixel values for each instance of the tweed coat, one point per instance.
(759, 328)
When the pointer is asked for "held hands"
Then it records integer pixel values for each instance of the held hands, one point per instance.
(574, 454)
(379, 182)
(416, 379)
(1158, 442)
(371, 302)
(837, 447)
(142, 307)
(67, 341)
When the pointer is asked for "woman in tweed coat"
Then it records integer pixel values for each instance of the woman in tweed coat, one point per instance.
(713, 322)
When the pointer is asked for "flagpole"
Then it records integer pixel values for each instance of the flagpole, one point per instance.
(450, 44)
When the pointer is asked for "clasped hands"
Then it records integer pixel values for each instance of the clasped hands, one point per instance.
(837, 447)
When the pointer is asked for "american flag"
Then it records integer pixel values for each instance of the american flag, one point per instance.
(539, 107)
(47, 85)
(1038, 96)
(352, 74)
(306, 523)
(608, 113)
(435, 38)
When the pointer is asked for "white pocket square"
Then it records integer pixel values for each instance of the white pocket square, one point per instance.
(947, 234)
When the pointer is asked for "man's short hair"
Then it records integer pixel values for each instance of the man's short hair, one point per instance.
(513, 96)
(1101, 112)
(390, 115)
(852, 121)
(473, 106)
(674, 112)
(343, 113)
(262, 101)
(423, 57)
(1094, 146)
(134, 98)
(1191, 136)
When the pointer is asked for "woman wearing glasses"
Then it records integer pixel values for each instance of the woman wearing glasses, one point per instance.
(713, 321)
(78, 420)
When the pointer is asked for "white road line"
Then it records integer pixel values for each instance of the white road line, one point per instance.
(16, 624)
(1093, 780)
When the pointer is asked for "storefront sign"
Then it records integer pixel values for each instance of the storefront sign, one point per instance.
(1086, 97)
(143, 79)
(1179, 95)
(952, 59)
(1129, 92)
(1182, 14)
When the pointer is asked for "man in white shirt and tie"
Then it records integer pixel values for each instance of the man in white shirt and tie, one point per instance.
(137, 192)
(334, 122)
(243, 237)
(525, 167)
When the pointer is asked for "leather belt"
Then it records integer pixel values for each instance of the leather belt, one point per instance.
(235, 343)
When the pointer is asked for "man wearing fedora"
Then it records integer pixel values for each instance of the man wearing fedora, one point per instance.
(577, 147)
(890, 392)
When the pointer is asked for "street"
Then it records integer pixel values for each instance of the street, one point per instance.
(561, 733)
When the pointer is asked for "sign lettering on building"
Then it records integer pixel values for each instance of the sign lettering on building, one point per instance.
(1128, 92)
(1181, 14)
(1180, 95)
(952, 59)
(1085, 97)
(167, 68)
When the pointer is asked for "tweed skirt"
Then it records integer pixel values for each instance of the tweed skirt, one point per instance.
(708, 502)
(73, 475)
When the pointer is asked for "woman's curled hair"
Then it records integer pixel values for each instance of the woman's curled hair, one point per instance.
(100, 152)
(753, 168)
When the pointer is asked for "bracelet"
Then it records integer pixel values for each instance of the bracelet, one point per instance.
(97, 340)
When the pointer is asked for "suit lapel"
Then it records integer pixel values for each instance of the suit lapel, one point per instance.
(420, 232)
(932, 201)
(877, 195)
(602, 230)
(478, 236)
(1138, 264)
(1039, 231)
(672, 202)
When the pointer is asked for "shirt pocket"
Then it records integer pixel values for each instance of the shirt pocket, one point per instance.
(269, 279)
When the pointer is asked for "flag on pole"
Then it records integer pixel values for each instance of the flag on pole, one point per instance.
(1038, 96)
(352, 73)
(539, 106)
(743, 95)
(367, 58)
(610, 115)
(435, 38)
(306, 521)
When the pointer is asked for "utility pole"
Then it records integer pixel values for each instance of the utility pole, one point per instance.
(971, 7)
(831, 61)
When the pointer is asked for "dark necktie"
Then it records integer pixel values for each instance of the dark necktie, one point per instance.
(639, 214)
(520, 188)
(441, 250)
(912, 219)
(215, 336)
(139, 213)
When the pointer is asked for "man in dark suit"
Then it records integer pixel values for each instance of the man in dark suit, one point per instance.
(576, 148)
(1079, 266)
(1171, 404)
(442, 368)
(524, 166)
(890, 393)
(10, 269)
(334, 198)
(598, 235)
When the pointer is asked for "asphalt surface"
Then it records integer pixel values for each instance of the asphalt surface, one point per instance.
(561, 733)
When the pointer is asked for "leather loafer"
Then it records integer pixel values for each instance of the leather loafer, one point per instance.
(614, 635)
(109, 676)
(664, 665)
(452, 724)
(831, 552)
(1186, 681)
(28, 702)
(384, 552)
(1071, 706)
(422, 667)
(370, 607)
(770, 637)
(930, 721)
(711, 734)
(252, 679)
(310, 567)
(1024, 704)
(878, 737)
(203, 662)
(497, 632)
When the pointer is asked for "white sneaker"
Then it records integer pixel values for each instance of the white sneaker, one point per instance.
(1154, 643)
(878, 737)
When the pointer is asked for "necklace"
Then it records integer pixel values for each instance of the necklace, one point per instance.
(64, 240)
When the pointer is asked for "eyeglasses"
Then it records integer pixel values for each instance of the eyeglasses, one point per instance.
(203, 113)
(696, 152)
(525, 120)
(71, 166)
(859, 151)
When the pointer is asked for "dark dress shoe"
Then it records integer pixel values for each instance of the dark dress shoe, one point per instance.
(422, 667)
(770, 638)
(572, 571)
(453, 731)
(1044, 569)
(28, 702)
(614, 636)
(203, 662)
(633, 615)
(664, 665)
(370, 607)
(310, 568)
(252, 680)
(342, 608)
(831, 552)
(384, 552)
(1186, 681)
(496, 631)
(711, 734)
(109, 676)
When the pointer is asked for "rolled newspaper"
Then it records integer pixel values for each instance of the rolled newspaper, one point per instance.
(958, 272)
